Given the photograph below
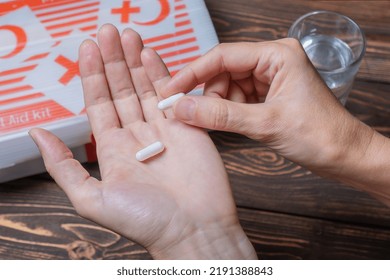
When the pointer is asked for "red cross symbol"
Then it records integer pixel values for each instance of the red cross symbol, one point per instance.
(126, 10)
(72, 69)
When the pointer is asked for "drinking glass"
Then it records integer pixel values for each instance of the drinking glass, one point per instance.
(335, 45)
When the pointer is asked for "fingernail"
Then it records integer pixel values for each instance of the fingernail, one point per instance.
(31, 133)
(185, 109)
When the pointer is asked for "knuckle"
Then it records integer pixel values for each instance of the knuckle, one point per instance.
(87, 210)
(292, 43)
(55, 169)
(214, 51)
(217, 56)
(293, 47)
(219, 116)
(269, 128)
(219, 48)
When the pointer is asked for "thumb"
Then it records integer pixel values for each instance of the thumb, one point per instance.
(221, 114)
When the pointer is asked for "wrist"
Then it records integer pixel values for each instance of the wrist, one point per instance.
(348, 146)
(367, 168)
(211, 242)
(360, 158)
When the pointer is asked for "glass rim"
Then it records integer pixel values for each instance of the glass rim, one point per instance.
(346, 18)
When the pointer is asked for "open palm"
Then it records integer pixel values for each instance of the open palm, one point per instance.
(156, 203)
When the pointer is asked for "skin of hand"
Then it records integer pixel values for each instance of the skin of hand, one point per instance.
(178, 205)
(271, 92)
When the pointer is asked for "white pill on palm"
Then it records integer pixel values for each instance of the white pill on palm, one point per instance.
(150, 151)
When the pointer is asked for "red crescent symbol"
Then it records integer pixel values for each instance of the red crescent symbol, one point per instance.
(165, 9)
(21, 38)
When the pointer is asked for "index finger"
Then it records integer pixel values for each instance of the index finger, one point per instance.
(235, 57)
(261, 58)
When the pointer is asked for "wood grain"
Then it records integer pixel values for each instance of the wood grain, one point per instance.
(37, 221)
(263, 180)
(286, 237)
(288, 212)
(33, 226)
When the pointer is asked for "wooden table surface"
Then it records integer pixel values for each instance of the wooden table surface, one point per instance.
(287, 212)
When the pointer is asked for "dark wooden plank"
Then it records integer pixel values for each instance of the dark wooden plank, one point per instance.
(37, 221)
(261, 20)
(261, 179)
(33, 226)
(278, 236)
(370, 103)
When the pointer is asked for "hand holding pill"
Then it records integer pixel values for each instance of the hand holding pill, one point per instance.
(155, 170)
(271, 92)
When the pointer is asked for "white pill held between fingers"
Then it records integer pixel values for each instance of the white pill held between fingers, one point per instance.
(168, 102)
(150, 151)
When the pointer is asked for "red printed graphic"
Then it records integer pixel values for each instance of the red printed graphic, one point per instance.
(162, 16)
(11, 81)
(127, 9)
(13, 5)
(61, 82)
(41, 85)
(72, 69)
(21, 39)
(31, 115)
(183, 42)
(60, 17)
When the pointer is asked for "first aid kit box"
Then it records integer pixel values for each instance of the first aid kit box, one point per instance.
(40, 84)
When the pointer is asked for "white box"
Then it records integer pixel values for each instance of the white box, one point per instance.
(39, 80)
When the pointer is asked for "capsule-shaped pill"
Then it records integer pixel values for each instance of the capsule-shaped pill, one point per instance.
(150, 151)
(168, 102)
